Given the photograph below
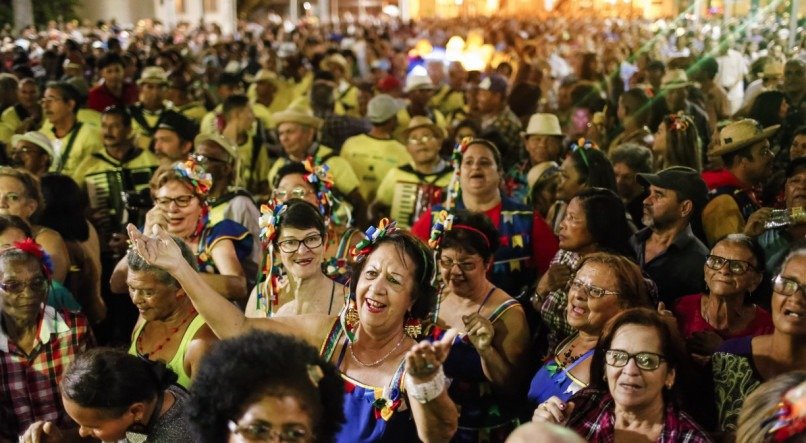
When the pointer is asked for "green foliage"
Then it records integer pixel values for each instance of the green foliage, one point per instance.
(44, 11)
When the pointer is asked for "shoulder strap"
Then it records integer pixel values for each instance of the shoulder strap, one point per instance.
(66, 154)
(137, 115)
(502, 308)
(331, 340)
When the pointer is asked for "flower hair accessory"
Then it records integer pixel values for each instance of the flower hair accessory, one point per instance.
(582, 145)
(34, 249)
(268, 274)
(371, 237)
(199, 179)
(789, 417)
(454, 187)
(443, 224)
(678, 122)
(321, 178)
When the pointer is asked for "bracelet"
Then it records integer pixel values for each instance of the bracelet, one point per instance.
(425, 392)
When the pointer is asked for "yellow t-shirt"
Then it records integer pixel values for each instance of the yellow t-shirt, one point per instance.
(263, 114)
(194, 111)
(86, 141)
(344, 178)
(447, 100)
(250, 173)
(371, 159)
(407, 185)
(11, 120)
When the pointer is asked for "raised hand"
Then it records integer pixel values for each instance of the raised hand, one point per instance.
(424, 359)
(158, 249)
(480, 331)
(755, 223)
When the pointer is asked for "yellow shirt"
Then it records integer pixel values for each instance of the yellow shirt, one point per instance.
(347, 100)
(86, 141)
(142, 134)
(263, 114)
(11, 120)
(447, 100)
(371, 159)
(344, 178)
(194, 111)
(252, 173)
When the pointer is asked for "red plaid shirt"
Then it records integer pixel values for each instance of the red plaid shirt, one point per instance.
(593, 418)
(30, 382)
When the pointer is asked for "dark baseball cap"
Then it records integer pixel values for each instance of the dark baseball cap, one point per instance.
(687, 182)
(494, 83)
(184, 127)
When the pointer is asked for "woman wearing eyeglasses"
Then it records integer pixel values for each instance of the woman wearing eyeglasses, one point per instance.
(740, 365)
(602, 286)
(733, 270)
(632, 396)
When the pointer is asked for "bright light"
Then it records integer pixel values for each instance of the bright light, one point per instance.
(306, 6)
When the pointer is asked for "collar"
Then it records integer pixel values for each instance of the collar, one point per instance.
(51, 322)
(75, 123)
(131, 154)
(680, 240)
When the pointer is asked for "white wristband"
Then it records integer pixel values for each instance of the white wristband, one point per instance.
(425, 392)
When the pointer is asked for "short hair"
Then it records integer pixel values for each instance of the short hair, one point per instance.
(636, 103)
(299, 214)
(751, 244)
(606, 219)
(797, 250)
(424, 296)
(754, 418)
(671, 344)
(68, 93)
(745, 152)
(637, 157)
(633, 290)
(656, 65)
(709, 67)
(468, 123)
(111, 380)
(243, 370)
(8, 82)
(29, 182)
(119, 111)
(137, 263)
(233, 103)
(14, 222)
(478, 236)
(594, 169)
(110, 58)
(765, 108)
(289, 169)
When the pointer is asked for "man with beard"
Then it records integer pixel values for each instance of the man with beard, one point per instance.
(666, 248)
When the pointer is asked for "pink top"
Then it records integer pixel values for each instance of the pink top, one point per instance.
(690, 320)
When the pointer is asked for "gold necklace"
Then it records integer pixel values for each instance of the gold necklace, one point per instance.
(380, 360)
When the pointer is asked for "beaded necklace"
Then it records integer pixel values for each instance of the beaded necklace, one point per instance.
(139, 342)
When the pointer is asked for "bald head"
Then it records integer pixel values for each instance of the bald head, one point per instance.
(543, 432)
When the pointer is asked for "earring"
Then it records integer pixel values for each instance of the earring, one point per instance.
(351, 317)
(413, 327)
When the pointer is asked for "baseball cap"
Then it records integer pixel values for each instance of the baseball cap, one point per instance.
(686, 181)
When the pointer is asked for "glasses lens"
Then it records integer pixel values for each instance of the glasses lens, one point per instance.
(298, 192)
(13, 287)
(785, 286)
(616, 358)
(183, 200)
(715, 262)
(279, 194)
(314, 241)
(647, 361)
(289, 246)
(738, 267)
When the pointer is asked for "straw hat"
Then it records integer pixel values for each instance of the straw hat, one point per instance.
(220, 140)
(543, 124)
(297, 113)
(538, 170)
(772, 69)
(338, 59)
(37, 138)
(740, 134)
(153, 74)
(421, 121)
(675, 79)
(416, 82)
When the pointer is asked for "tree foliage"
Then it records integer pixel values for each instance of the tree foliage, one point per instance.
(44, 11)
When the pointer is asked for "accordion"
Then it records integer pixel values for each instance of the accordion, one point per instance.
(410, 200)
(107, 196)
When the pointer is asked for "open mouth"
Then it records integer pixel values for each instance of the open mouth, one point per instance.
(374, 306)
(303, 261)
(793, 314)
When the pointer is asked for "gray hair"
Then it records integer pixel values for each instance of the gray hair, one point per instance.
(636, 157)
(138, 264)
(797, 250)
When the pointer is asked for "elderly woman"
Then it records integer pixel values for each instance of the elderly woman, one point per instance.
(602, 286)
(595, 221)
(392, 282)
(740, 365)
(632, 392)
(300, 244)
(180, 208)
(487, 363)
(526, 242)
(260, 386)
(677, 143)
(21, 195)
(113, 396)
(733, 270)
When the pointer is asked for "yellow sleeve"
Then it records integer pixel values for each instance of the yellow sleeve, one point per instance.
(721, 217)
(273, 171)
(344, 177)
(208, 125)
(386, 190)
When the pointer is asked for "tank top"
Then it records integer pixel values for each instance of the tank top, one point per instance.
(177, 363)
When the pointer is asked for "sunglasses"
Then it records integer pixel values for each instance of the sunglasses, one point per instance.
(16, 287)
(736, 267)
(648, 361)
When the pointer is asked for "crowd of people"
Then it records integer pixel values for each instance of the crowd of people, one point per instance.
(477, 230)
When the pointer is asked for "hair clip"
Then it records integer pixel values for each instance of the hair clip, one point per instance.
(34, 249)
(371, 237)
(442, 224)
(678, 122)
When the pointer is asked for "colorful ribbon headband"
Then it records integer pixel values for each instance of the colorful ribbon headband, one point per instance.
(194, 173)
(371, 237)
(582, 145)
(789, 417)
(321, 178)
(678, 122)
(268, 274)
(34, 249)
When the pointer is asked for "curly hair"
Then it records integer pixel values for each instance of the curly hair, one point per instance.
(241, 371)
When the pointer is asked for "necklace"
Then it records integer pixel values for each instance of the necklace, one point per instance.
(568, 355)
(378, 361)
(173, 331)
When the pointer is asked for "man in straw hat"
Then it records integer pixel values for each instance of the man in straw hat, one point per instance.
(263, 90)
(345, 93)
(745, 150)
(673, 98)
(297, 129)
(150, 110)
(409, 189)
(31, 151)
(419, 90)
(374, 154)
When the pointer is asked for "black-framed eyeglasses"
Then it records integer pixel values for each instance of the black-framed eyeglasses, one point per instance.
(421, 140)
(448, 264)
(292, 245)
(648, 361)
(39, 284)
(183, 201)
(787, 286)
(589, 290)
(204, 159)
(295, 192)
(737, 267)
(264, 432)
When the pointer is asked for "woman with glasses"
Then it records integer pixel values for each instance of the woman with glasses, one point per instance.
(634, 388)
(733, 270)
(740, 365)
(603, 285)
(487, 363)
(265, 387)
(300, 244)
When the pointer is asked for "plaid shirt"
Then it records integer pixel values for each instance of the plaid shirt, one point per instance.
(30, 382)
(338, 128)
(593, 418)
(554, 306)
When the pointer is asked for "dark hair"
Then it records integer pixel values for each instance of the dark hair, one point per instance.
(111, 380)
(633, 289)
(482, 239)
(766, 107)
(671, 344)
(121, 112)
(300, 214)
(68, 93)
(110, 58)
(636, 104)
(234, 102)
(289, 169)
(594, 169)
(606, 219)
(746, 152)
(467, 123)
(492, 148)
(800, 131)
(243, 370)
(424, 296)
(12, 221)
(137, 263)
(65, 207)
(709, 67)
(637, 157)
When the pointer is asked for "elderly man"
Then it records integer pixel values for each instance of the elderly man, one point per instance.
(150, 111)
(297, 128)
(745, 151)
(168, 329)
(419, 90)
(31, 151)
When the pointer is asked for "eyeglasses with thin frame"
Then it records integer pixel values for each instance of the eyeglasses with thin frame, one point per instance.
(183, 201)
(787, 286)
(589, 290)
(295, 192)
(290, 246)
(648, 361)
(204, 159)
(736, 267)
(264, 432)
(421, 140)
(447, 264)
(39, 284)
